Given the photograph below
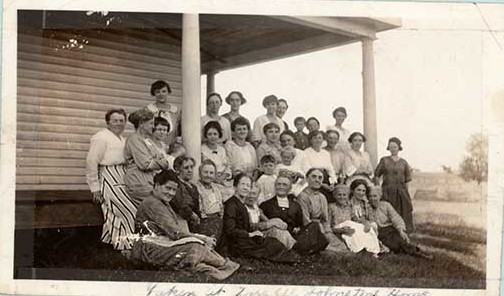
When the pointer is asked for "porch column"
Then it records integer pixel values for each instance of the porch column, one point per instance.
(211, 82)
(191, 86)
(369, 100)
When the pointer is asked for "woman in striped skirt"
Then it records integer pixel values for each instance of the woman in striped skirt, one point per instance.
(104, 174)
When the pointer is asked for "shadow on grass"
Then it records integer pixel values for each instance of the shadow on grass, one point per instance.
(77, 254)
(459, 233)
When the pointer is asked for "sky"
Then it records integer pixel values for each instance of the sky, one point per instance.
(433, 77)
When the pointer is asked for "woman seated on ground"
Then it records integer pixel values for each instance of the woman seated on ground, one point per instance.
(210, 149)
(165, 239)
(276, 228)
(241, 154)
(186, 201)
(161, 129)
(348, 235)
(391, 227)
(239, 234)
(143, 159)
(314, 204)
(357, 162)
(211, 200)
(283, 206)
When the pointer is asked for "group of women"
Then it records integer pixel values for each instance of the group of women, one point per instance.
(155, 212)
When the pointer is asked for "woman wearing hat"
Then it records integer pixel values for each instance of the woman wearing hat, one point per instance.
(235, 99)
(396, 175)
(271, 104)
(143, 159)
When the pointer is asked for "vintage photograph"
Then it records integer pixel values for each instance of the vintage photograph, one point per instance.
(246, 148)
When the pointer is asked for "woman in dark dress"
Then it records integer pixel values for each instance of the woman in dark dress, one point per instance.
(240, 237)
(396, 175)
(309, 238)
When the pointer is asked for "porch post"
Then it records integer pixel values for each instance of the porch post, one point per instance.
(211, 82)
(191, 86)
(369, 99)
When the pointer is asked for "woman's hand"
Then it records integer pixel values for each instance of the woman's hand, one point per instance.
(404, 235)
(278, 223)
(256, 233)
(210, 242)
(348, 230)
(367, 226)
(195, 218)
(97, 197)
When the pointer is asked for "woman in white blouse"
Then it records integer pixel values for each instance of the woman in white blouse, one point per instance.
(105, 170)
(316, 157)
(357, 162)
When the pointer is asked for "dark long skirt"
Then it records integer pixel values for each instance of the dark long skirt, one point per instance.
(390, 237)
(211, 226)
(400, 199)
(262, 248)
(310, 240)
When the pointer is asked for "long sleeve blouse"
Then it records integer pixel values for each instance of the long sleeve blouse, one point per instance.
(314, 206)
(320, 159)
(385, 215)
(106, 149)
(241, 158)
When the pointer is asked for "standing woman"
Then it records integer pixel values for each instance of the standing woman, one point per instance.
(270, 103)
(340, 114)
(396, 175)
(241, 154)
(104, 174)
(160, 90)
(210, 149)
(316, 157)
(143, 159)
(235, 99)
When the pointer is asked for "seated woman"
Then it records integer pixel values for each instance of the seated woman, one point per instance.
(211, 200)
(142, 158)
(241, 237)
(346, 231)
(276, 228)
(186, 201)
(165, 239)
(361, 213)
(283, 206)
(357, 162)
(161, 129)
(391, 227)
(211, 149)
(241, 154)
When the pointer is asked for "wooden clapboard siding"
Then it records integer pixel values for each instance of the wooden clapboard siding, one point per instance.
(63, 96)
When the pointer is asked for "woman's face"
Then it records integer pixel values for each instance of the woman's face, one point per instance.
(360, 192)
(242, 189)
(393, 148)
(212, 136)
(214, 104)
(374, 198)
(312, 125)
(167, 191)
(341, 197)
(160, 132)
(252, 197)
(315, 179)
(235, 101)
(332, 139)
(116, 123)
(281, 109)
(186, 170)
(339, 117)
(147, 127)
(271, 108)
(317, 141)
(287, 140)
(207, 174)
(272, 135)
(357, 143)
(241, 132)
(161, 95)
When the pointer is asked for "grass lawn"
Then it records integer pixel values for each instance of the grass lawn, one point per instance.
(459, 262)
